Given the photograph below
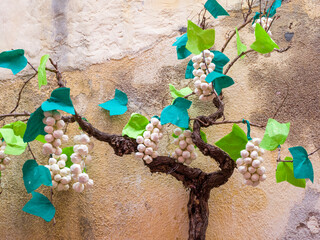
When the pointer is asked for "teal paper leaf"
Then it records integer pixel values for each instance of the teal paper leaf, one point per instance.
(118, 105)
(35, 175)
(182, 51)
(135, 126)
(40, 206)
(42, 75)
(15, 144)
(276, 134)
(272, 10)
(264, 43)
(179, 93)
(220, 60)
(240, 46)
(219, 80)
(302, 166)
(13, 60)
(189, 70)
(255, 17)
(59, 100)
(285, 173)
(68, 151)
(177, 113)
(35, 126)
(233, 142)
(215, 9)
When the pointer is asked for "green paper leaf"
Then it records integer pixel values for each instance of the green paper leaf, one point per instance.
(13, 60)
(177, 113)
(190, 68)
(18, 127)
(203, 136)
(234, 142)
(220, 60)
(59, 100)
(215, 9)
(40, 206)
(264, 43)
(302, 166)
(35, 175)
(118, 105)
(219, 80)
(41, 138)
(136, 126)
(179, 93)
(276, 134)
(35, 126)
(181, 42)
(68, 151)
(240, 46)
(42, 75)
(285, 173)
(198, 39)
(15, 144)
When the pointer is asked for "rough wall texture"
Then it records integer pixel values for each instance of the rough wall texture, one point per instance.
(104, 45)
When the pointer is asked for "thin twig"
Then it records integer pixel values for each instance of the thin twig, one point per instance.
(284, 161)
(236, 59)
(240, 121)
(186, 96)
(314, 151)
(51, 197)
(30, 150)
(33, 67)
(14, 115)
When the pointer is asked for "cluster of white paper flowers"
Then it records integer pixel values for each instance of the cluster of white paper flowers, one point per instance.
(61, 175)
(54, 137)
(264, 23)
(184, 153)
(148, 143)
(4, 160)
(250, 163)
(81, 158)
(202, 67)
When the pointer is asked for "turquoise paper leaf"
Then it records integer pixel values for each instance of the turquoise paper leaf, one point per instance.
(135, 126)
(190, 68)
(182, 51)
(264, 43)
(285, 173)
(215, 9)
(220, 60)
(42, 75)
(177, 113)
(35, 126)
(35, 175)
(59, 100)
(302, 166)
(40, 206)
(13, 60)
(219, 80)
(118, 105)
(272, 10)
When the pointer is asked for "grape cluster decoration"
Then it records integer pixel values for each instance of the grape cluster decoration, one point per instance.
(80, 159)
(265, 23)
(4, 160)
(203, 65)
(250, 163)
(185, 152)
(148, 143)
(55, 136)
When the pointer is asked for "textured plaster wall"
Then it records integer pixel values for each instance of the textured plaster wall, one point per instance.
(104, 45)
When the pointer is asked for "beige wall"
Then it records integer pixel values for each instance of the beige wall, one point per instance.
(127, 45)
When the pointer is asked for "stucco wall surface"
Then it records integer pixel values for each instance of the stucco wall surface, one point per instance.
(103, 45)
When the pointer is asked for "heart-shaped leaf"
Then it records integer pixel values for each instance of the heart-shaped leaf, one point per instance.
(272, 10)
(179, 93)
(264, 43)
(35, 175)
(15, 143)
(13, 60)
(118, 105)
(177, 113)
(181, 42)
(136, 126)
(189, 70)
(285, 173)
(219, 80)
(198, 39)
(240, 46)
(276, 134)
(59, 100)
(42, 75)
(40, 206)
(302, 166)
(220, 60)
(233, 142)
(68, 151)
(35, 126)
(215, 9)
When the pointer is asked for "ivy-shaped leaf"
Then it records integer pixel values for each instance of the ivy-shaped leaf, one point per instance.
(117, 105)
(35, 126)
(42, 75)
(233, 142)
(136, 126)
(15, 143)
(276, 134)
(203, 136)
(189, 70)
(68, 151)
(215, 9)
(198, 39)
(59, 100)
(35, 175)
(219, 80)
(302, 166)
(285, 173)
(264, 43)
(240, 46)
(179, 93)
(272, 10)
(40, 206)
(220, 60)
(181, 42)
(13, 60)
